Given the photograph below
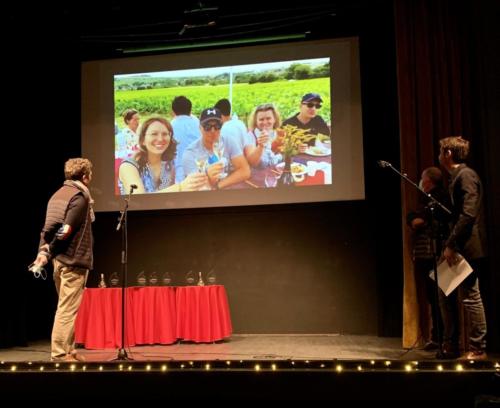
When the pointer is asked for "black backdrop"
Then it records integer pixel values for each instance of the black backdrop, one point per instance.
(343, 273)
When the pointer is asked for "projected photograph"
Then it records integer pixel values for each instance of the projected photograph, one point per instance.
(258, 126)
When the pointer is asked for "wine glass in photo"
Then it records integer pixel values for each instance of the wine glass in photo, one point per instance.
(201, 163)
(219, 152)
(271, 179)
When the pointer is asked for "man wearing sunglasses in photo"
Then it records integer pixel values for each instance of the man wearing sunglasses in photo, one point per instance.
(308, 117)
(202, 155)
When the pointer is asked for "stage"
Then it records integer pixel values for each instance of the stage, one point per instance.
(245, 347)
(254, 366)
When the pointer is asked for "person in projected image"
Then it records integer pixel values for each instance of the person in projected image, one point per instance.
(213, 155)
(152, 167)
(126, 139)
(307, 118)
(186, 130)
(232, 127)
(262, 123)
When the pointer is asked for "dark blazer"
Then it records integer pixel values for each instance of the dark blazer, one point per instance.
(468, 231)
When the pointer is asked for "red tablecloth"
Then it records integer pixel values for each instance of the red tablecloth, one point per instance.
(154, 315)
(202, 313)
(149, 313)
(153, 311)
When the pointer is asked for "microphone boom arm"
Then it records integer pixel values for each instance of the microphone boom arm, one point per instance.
(385, 164)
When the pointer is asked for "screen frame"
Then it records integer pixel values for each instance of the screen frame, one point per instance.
(347, 152)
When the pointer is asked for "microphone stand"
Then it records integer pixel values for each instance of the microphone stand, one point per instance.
(122, 224)
(432, 207)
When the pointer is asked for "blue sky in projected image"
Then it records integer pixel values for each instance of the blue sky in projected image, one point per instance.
(221, 70)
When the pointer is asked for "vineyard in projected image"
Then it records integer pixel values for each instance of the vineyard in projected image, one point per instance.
(280, 83)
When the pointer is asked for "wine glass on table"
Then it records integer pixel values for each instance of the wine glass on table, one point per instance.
(271, 179)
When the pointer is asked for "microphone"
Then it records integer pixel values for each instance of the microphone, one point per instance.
(382, 163)
(133, 187)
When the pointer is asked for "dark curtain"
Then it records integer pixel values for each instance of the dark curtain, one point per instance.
(440, 66)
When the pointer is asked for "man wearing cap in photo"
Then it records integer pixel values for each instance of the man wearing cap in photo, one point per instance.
(308, 117)
(203, 150)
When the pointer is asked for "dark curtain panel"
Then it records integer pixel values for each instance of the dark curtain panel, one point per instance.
(439, 66)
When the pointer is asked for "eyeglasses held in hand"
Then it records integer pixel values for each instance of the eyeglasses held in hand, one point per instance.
(38, 271)
(207, 127)
(312, 105)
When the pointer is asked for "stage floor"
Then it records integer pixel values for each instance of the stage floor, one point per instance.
(246, 347)
(259, 367)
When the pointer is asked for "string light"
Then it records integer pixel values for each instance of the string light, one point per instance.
(261, 366)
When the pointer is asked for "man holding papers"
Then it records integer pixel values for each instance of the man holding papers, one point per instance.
(468, 239)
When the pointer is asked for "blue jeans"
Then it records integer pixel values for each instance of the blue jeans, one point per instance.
(468, 292)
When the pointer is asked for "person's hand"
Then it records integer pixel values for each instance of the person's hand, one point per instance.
(416, 223)
(214, 170)
(41, 260)
(303, 147)
(193, 182)
(451, 256)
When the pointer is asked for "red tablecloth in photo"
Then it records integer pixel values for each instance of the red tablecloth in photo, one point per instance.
(150, 317)
(202, 313)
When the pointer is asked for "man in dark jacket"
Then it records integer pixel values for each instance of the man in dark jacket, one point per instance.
(467, 238)
(66, 238)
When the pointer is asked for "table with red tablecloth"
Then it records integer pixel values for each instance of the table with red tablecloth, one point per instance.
(154, 315)
(202, 313)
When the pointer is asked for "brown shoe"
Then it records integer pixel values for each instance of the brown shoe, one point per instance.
(77, 357)
(67, 358)
(475, 355)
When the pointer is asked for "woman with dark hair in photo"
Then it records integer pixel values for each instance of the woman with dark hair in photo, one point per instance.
(152, 167)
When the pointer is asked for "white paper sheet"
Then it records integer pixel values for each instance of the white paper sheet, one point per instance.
(449, 277)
